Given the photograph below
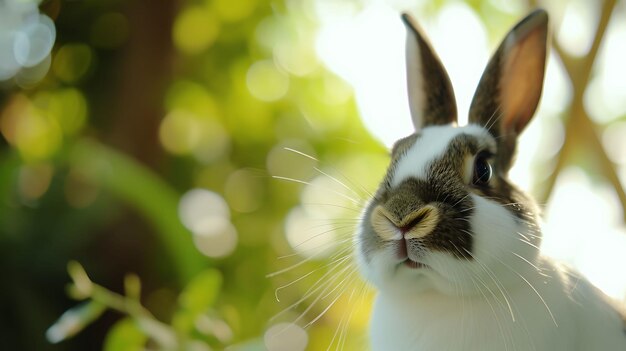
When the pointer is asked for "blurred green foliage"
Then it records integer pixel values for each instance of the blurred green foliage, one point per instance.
(141, 104)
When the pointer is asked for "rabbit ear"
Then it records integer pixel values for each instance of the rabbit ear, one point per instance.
(431, 98)
(509, 89)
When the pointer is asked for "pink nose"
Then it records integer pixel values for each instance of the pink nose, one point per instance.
(401, 249)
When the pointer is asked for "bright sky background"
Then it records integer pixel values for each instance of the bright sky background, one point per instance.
(365, 46)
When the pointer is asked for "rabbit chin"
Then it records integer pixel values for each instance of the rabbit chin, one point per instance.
(504, 247)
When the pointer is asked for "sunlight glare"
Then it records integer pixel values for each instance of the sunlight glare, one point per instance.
(371, 59)
(463, 49)
(596, 243)
(605, 97)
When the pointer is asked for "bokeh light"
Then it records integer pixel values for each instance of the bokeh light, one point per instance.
(195, 29)
(191, 97)
(285, 337)
(310, 236)
(198, 206)
(266, 82)
(29, 130)
(33, 43)
(72, 61)
(183, 133)
(232, 11)
(298, 164)
(29, 77)
(34, 180)
(180, 132)
(26, 39)
(67, 107)
(244, 191)
(207, 215)
(216, 238)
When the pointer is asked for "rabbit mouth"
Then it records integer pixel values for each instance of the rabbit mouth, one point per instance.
(402, 252)
(413, 264)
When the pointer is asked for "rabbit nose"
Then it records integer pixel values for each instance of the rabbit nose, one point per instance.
(413, 225)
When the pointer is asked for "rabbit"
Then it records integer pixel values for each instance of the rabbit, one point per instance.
(449, 244)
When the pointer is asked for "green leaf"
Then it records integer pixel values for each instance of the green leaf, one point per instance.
(74, 320)
(201, 292)
(125, 335)
(183, 321)
(199, 295)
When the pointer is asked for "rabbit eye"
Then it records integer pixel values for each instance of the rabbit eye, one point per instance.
(482, 169)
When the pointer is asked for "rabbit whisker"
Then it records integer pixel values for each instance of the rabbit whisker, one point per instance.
(340, 329)
(331, 205)
(499, 285)
(539, 270)
(298, 264)
(352, 277)
(489, 124)
(493, 311)
(529, 243)
(325, 285)
(298, 181)
(330, 264)
(334, 179)
(460, 200)
(531, 286)
(301, 153)
(369, 194)
(320, 246)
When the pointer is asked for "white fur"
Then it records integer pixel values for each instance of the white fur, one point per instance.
(435, 321)
(431, 145)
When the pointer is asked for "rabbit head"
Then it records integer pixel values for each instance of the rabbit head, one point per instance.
(445, 211)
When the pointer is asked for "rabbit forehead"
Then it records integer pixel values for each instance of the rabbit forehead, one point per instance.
(432, 144)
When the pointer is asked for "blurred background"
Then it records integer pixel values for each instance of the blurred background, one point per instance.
(187, 174)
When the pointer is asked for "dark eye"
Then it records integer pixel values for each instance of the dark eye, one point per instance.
(482, 169)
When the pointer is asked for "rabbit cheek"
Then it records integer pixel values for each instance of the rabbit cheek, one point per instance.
(513, 200)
